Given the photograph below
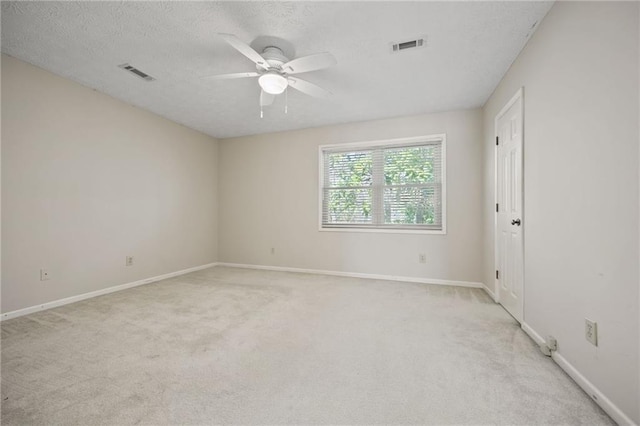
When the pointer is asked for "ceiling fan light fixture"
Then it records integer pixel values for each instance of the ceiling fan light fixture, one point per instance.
(273, 83)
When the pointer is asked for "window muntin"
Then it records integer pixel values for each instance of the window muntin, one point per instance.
(388, 185)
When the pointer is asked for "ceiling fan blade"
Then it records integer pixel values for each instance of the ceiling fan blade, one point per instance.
(231, 76)
(308, 88)
(309, 63)
(266, 99)
(245, 49)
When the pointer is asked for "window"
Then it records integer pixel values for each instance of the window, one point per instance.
(387, 185)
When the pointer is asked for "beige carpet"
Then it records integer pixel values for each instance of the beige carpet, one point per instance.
(228, 345)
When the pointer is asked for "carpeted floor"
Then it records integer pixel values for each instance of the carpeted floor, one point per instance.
(228, 345)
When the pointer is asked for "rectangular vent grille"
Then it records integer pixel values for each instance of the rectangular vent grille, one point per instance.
(409, 44)
(135, 71)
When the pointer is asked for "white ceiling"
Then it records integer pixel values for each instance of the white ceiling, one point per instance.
(470, 46)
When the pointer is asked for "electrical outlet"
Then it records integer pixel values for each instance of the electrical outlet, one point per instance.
(44, 275)
(591, 331)
(422, 258)
(128, 261)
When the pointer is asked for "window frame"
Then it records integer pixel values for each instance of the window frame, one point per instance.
(442, 138)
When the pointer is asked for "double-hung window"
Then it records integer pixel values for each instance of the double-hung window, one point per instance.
(386, 185)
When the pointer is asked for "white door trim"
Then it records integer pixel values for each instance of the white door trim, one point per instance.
(519, 95)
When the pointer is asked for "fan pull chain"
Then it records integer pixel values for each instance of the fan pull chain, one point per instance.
(286, 100)
(261, 113)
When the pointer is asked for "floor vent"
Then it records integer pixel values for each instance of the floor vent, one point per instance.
(409, 44)
(135, 71)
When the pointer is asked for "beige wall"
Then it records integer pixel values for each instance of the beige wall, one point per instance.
(268, 192)
(88, 180)
(580, 78)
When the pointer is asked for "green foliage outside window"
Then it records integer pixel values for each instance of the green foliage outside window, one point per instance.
(351, 175)
(405, 201)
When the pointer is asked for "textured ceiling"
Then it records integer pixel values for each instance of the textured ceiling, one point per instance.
(470, 45)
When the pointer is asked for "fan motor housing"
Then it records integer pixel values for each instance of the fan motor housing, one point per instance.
(274, 56)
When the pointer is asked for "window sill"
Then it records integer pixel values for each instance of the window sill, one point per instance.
(385, 231)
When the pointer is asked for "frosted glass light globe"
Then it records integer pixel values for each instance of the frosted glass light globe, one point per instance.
(273, 83)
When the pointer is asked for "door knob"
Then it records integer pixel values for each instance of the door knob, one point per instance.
(515, 222)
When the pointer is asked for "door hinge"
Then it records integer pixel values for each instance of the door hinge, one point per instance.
(497, 275)
(497, 207)
(497, 140)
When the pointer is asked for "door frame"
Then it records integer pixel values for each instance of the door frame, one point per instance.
(519, 96)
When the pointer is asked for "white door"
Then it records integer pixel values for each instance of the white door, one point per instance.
(509, 220)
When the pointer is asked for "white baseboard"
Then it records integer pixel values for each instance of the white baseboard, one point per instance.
(72, 299)
(533, 334)
(599, 398)
(605, 403)
(490, 293)
(357, 275)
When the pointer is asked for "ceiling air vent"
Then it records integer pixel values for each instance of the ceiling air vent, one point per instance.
(135, 71)
(409, 44)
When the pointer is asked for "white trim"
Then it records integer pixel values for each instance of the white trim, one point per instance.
(442, 138)
(598, 397)
(73, 299)
(533, 334)
(519, 94)
(381, 142)
(496, 257)
(385, 230)
(436, 281)
(443, 198)
(490, 293)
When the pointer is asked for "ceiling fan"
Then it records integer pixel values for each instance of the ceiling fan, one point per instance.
(275, 70)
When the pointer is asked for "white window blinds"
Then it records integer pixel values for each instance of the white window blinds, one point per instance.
(384, 186)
